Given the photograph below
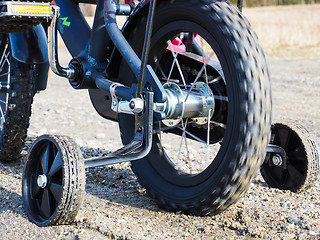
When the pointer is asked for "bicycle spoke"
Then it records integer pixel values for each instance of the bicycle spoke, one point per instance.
(197, 77)
(193, 136)
(5, 74)
(162, 72)
(218, 124)
(4, 58)
(208, 136)
(182, 138)
(2, 114)
(5, 81)
(175, 60)
(174, 54)
(205, 69)
(187, 149)
(160, 139)
(215, 80)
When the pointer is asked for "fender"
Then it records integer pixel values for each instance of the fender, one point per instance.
(30, 46)
(138, 11)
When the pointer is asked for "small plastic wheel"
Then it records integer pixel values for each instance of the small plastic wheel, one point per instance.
(301, 168)
(53, 181)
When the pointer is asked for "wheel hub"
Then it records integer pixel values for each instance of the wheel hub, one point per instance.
(196, 102)
(42, 181)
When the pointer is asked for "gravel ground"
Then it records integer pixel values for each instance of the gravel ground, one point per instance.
(116, 207)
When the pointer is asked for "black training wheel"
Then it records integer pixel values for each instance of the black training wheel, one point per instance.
(53, 181)
(301, 168)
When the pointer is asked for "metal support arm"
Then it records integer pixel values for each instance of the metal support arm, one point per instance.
(138, 148)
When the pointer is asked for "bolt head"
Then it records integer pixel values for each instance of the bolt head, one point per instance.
(277, 160)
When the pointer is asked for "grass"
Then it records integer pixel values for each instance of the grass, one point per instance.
(287, 31)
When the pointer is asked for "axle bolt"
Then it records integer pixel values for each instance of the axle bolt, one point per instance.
(277, 160)
(42, 181)
(136, 105)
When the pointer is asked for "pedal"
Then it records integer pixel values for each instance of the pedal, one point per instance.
(16, 16)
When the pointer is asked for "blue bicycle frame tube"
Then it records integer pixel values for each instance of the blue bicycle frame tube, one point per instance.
(73, 27)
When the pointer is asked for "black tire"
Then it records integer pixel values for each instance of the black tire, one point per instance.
(16, 96)
(243, 123)
(302, 166)
(57, 161)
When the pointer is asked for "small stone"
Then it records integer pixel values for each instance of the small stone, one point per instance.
(312, 233)
(293, 220)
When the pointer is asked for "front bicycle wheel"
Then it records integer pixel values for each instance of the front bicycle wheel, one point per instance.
(201, 163)
(16, 96)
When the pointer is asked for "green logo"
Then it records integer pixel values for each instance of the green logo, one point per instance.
(65, 22)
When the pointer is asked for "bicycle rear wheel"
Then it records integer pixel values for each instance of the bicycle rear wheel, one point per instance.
(201, 165)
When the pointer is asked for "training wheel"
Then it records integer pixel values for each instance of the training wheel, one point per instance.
(300, 169)
(53, 181)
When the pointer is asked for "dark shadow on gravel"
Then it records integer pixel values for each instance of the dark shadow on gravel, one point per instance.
(118, 185)
(10, 201)
(115, 183)
(260, 183)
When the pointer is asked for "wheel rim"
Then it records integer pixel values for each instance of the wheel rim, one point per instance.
(4, 80)
(293, 175)
(43, 181)
(180, 167)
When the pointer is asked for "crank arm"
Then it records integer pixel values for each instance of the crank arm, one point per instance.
(138, 148)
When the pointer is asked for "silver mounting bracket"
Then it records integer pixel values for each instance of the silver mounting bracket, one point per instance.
(114, 99)
(135, 105)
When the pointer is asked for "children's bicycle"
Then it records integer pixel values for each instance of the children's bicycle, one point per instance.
(188, 84)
